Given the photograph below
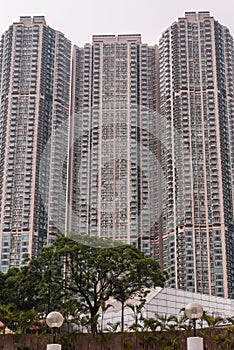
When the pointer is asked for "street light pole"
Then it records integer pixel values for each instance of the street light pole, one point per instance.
(194, 327)
(194, 311)
(54, 335)
(54, 320)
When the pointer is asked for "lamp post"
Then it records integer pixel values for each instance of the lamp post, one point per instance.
(54, 320)
(194, 311)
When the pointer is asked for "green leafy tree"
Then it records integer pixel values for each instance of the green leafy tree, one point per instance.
(45, 271)
(2, 281)
(212, 321)
(171, 344)
(230, 320)
(7, 315)
(104, 307)
(137, 314)
(10, 293)
(165, 322)
(150, 324)
(18, 288)
(92, 275)
(139, 273)
(18, 321)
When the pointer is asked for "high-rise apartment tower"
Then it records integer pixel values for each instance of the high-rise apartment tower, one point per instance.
(114, 141)
(151, 145)
(197, 113)
(34, 90)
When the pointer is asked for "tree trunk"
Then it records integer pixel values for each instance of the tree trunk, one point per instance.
(122, 317)
(93, 322)
(93, 326)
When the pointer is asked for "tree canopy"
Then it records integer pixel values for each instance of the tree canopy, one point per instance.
(69, 275)
(94, 275)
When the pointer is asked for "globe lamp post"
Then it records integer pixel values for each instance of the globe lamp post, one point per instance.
(194, 311)
(54, 320)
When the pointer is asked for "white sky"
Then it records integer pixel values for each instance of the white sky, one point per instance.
(80, 19)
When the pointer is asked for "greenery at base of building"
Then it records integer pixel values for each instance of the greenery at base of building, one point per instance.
(78, 280)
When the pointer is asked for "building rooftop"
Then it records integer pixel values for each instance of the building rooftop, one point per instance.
(112, 39)
(32, 20)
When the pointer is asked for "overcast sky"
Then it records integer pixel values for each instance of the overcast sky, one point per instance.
(79, 20)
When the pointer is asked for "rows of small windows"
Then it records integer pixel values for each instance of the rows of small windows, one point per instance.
(191, 52)
(199, 170)
(62, 69)
(26, 58)
(202, 259)
(14, 249)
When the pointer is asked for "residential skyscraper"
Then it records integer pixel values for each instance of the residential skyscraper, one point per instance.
(150, 134)
(114, 141)
(34, 88)
(197, 108)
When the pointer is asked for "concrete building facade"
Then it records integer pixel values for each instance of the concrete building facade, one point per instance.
(35, 92)
(197, 112)
(114, 141)
(151, 158)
